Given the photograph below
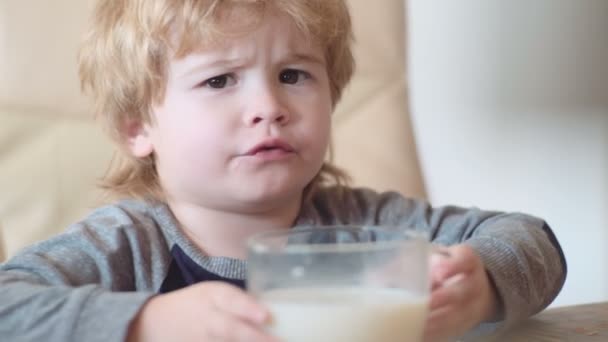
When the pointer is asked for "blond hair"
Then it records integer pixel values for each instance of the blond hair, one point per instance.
(124, 57)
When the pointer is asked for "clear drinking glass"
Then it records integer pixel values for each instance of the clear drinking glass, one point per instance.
(342, 283)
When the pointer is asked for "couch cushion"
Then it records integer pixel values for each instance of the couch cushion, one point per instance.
(49, 167)
(38, 51)
(373, 136)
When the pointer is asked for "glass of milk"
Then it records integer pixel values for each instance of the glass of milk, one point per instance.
(342, 283)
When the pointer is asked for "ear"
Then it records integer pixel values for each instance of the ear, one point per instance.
(138, 138)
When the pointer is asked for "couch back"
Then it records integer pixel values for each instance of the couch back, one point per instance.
(52, 153)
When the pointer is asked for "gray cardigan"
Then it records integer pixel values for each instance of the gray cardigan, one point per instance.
(88, 283)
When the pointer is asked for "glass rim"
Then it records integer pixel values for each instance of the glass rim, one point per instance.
(256, 245)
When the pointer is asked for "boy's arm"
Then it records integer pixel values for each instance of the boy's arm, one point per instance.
(31, 310)
(520, 252)
(523, 258)
(80, 286)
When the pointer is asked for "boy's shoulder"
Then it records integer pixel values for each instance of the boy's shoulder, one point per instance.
(354, 195)
(125, 215)
(343, 204)
(127, 226)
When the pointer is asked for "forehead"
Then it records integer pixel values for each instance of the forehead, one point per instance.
(276, 41)
(235, 25)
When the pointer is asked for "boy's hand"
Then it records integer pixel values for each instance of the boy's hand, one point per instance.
(462, 295)
(210, 311)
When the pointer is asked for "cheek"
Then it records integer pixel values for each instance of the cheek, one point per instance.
(322, 123)
(318, 132)
(323, 130)
(193, 156)
(193, 145)
(205, 145)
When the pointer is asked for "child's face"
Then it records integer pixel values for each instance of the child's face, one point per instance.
(243, 125)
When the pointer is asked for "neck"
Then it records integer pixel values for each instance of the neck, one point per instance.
(224, 233)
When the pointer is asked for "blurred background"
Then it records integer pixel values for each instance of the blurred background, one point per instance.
(509, 104)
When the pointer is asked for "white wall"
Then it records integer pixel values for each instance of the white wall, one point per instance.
(510, 109)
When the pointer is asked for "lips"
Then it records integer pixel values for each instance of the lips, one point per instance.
(269, 146)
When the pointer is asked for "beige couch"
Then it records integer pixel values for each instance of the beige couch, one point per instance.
(52, 153)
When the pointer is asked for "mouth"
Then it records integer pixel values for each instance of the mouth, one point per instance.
(270, 146)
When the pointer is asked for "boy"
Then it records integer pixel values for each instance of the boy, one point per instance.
(222, 111)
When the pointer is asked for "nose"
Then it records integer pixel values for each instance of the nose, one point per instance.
(267, 106)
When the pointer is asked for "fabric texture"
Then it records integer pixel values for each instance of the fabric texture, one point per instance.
(88, 283)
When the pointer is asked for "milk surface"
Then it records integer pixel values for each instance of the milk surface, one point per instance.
(346, 314)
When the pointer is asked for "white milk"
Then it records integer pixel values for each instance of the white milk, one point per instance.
(346, 314)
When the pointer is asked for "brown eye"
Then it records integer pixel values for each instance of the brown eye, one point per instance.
(292, 76)
(219, 82)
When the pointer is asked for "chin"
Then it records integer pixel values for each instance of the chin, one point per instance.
(271, 196)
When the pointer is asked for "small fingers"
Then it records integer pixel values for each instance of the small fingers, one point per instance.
(446, 262)
(452, 292)
(450, 308)
(438, 261)
(442, 324)
(238, 303)
(224, 326)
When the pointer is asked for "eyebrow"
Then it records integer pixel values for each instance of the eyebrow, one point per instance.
(233, 62)
(219, 63)
(306, 58)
